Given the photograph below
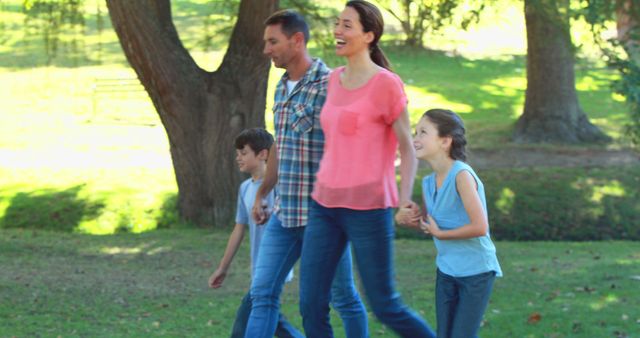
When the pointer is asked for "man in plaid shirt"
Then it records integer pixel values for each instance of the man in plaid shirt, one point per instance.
(292, 164)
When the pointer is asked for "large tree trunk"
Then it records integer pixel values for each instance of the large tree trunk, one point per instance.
(201, 111)
(551, 111)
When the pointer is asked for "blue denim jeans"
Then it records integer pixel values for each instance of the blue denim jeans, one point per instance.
(279, 250)
(460, 303)
(284, 329)
(371, 234)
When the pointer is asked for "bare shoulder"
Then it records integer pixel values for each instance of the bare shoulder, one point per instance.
(465, 181)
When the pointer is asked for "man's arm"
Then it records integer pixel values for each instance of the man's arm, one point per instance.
(268, 183)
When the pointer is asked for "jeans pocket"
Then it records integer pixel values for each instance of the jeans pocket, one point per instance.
(348, 122)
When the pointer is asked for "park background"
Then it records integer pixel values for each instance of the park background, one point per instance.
(92, 242)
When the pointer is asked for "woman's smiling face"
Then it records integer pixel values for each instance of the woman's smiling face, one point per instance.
(349, 33)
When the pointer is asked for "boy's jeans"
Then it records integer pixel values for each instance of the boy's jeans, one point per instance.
(279, 250)
(371, 235)
(283, 330)
(460, 303)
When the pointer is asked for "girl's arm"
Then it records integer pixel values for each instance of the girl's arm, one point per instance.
(478, 226)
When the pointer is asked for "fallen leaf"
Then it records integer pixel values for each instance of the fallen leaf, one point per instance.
(534, 318)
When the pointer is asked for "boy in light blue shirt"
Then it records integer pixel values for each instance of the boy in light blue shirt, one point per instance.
(252, 151)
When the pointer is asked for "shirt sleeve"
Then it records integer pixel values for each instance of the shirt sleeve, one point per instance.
(242, 216)
(392, 97)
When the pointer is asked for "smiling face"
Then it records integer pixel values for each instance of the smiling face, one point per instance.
(280, 48)
(427, 143)
(247, 159)
(349, 33)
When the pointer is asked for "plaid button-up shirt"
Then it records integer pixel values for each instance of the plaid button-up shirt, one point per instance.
(300, 142)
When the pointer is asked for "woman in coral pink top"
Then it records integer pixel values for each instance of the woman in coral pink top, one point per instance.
(365, 122)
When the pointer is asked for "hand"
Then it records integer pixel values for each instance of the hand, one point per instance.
(260, 211)
(430, 226)
(408, 214)
(217, 278)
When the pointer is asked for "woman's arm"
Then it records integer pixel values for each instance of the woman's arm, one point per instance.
(408, 161)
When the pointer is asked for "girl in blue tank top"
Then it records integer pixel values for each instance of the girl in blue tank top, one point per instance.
(456, 217)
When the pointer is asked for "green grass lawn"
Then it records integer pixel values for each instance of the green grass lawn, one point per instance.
(79, 170)
(154, 284)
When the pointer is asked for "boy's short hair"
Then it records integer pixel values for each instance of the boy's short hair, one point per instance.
(258, 139)
(291, 22)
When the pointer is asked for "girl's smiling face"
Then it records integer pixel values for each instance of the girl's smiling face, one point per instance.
(426, 140)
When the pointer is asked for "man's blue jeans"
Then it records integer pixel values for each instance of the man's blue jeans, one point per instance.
(284, 329)
(460, 303)
(279, 250)
(371, 235)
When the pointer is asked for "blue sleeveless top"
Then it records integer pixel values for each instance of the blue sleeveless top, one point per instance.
(459, 257)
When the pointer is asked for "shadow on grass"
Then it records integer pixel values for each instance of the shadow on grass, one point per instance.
(73, 210)
(50, 209)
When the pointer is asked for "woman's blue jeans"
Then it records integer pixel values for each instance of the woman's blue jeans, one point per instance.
(460, 303)
(371, 235)
(279, 250)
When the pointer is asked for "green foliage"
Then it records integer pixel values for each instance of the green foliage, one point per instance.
(623, 56)
(321, 19)
(577, 204)
(217, 24)
(418, 17)
(2, 25)
(629, 86)
(53, 18)
(221, 17)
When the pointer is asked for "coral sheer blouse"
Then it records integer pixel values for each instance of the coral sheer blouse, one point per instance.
(357, 169)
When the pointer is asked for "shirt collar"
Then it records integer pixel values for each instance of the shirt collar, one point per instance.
(314, 73)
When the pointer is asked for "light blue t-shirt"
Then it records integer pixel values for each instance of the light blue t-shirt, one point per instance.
(246, 197)
(464, 257)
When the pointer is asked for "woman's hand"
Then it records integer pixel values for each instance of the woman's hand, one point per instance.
(408, 214)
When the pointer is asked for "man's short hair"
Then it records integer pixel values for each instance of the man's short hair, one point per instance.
(258, 139)
(291, 22)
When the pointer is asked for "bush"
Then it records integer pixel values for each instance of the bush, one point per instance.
(575, 204)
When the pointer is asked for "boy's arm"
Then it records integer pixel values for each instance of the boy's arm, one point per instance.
(268, 183)
(218, 276)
